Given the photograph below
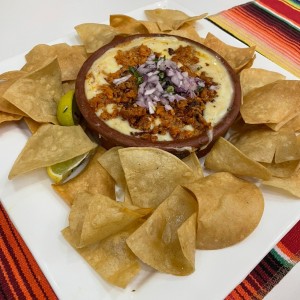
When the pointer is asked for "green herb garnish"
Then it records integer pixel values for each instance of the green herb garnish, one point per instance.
(136, 74)
(170, 89)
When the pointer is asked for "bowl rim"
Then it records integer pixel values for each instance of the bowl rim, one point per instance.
(120, 139)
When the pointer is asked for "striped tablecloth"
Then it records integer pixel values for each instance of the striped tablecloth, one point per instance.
(21, 277)
(272, 25)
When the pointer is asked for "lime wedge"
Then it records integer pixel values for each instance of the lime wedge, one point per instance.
(59, 172)
(65, 109)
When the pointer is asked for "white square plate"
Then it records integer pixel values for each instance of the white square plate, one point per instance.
(39, 214)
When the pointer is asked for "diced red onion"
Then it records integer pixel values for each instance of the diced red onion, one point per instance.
(118, 81)
(152, 90)
(214, 87)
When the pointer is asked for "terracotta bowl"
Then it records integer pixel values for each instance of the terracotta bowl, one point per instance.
(109, 137)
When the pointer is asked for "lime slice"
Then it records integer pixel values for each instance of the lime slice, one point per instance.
(66, 108)
(59, 172)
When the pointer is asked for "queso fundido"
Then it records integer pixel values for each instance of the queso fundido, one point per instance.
(159, 88)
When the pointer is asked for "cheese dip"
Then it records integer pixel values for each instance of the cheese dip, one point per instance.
(159, 88)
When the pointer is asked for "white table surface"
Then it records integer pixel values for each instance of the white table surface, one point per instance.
(25, 23)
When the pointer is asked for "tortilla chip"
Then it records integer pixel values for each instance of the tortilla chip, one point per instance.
(290, 184)
(68, 85)
(193, 162)
(6, 106)
(171, 19)
(127, 25)
(70, 59)
(264, 145)
(49, 145)
(288, 147)
(12, 75)
(94, 35)
(38, 93)
(6, 117)
(81, 49)
(229, 210)
(188, 32)
(37, 57)
(95, 217)
(226, 157)
(93, 179)
(152, 174)
(272, 103)
(284, 169)
(110, 161)
(188, 21)
(33, 126)
(293, 124)
(110, 258)
(151, 27)
(166, 241)
(254, 78)
(238, 58)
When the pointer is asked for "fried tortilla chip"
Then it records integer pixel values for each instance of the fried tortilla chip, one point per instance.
(288, 147)
(68, 85)
(38, 93)
(178, 24)
(264, 145)
(111, 258)
(290, 184)
(166, 241)
(12, 75)
(254, 78)
(226, 157)
(258, 144)
(93, 179)
(293, 124)
(94, 35)
(70, 59)
(6, 117)
(49, 145)
(238, 58)
(229, 210)
(188, 32)
(152, 174)
(127, 25)
(151, 27)
(32, 125)
(193, 162)
(37, 57)
(6, 106)
(284, 169)
(272, 103)
(110, 161)
(171, 19)
(95, 217)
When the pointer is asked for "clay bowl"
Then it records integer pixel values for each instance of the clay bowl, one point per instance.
(109, 137)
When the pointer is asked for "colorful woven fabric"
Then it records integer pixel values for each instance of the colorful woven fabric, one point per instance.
(273, 26)
(20, 276)
(275, 265)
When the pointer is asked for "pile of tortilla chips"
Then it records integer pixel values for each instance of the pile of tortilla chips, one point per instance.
(265, 141)
(143, 205)
(167, 210)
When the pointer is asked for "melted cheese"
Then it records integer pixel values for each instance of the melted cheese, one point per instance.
(106, 64)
